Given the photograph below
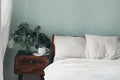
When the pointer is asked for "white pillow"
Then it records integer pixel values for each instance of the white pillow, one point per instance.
(69, 47)
(102, 47)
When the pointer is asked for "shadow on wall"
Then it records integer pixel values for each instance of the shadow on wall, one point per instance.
(8, 65)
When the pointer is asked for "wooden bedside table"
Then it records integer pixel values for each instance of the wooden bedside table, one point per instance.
(30, 64)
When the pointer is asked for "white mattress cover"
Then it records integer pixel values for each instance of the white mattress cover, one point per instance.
(83, 69)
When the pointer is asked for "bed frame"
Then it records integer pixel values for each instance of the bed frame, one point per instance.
(53, 48)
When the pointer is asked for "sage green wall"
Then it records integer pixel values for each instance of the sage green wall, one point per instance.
(65, 17)
(70, 17)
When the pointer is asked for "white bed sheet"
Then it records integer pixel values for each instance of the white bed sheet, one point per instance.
(83, 69)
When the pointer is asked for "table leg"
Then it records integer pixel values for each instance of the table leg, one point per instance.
(20, 77)
(41, 77)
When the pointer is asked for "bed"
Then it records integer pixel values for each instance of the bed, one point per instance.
(96, 64)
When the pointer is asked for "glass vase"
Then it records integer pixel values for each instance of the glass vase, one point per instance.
(28, 50)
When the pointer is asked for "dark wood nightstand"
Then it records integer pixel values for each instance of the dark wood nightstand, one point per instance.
(30, 64)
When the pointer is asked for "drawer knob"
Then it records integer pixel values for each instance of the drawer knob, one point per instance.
(30, 69)
(31, 61)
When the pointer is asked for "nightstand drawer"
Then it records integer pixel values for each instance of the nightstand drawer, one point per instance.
(24, 69)
(30, 64)
(29, 70)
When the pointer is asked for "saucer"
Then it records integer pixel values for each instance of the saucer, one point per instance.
(36, 54)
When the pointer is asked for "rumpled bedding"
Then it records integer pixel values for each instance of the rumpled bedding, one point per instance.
(83, 69)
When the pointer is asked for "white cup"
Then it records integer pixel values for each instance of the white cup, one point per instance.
(42, 51)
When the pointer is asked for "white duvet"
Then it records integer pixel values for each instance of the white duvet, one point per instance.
(83, 69)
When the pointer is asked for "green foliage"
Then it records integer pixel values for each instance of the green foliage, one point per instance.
(27, 37)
